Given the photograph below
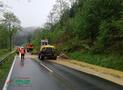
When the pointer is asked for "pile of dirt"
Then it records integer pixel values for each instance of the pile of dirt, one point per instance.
(63, 56)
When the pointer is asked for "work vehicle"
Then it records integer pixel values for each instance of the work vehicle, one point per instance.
(29, 47)
(47, 51)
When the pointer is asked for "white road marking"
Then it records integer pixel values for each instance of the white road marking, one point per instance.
(43, 65)
(46, 67)
(9, 75)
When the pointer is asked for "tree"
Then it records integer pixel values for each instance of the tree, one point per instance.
(95, 25)
(98, 20)
(12, 23)
(3, 36)
(58, 9)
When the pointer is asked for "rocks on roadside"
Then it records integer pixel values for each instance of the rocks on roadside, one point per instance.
(63, 56)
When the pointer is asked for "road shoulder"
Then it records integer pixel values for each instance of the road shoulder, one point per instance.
(114, 76)
(105, 73)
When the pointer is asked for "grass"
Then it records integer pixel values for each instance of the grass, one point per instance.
(3, 52)
(113, 61)
(4, 68)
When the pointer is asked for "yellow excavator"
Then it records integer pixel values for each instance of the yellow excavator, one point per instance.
(47, 51)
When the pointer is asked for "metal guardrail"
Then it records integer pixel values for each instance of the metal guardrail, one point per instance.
(5, 57)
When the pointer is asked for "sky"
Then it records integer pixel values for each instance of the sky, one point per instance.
(30, 12)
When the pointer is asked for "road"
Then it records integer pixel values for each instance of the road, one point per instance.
(33, 75)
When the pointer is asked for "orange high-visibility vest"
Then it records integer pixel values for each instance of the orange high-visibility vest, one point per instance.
(22, 51)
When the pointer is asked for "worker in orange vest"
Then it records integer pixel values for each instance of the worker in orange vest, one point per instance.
(22, 52)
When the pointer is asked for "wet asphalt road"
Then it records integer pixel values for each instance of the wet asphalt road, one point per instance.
(33, 76)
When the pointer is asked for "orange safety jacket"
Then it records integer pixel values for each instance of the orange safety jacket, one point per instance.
(22, 51)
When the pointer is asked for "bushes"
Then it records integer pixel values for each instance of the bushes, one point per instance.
(104, 60)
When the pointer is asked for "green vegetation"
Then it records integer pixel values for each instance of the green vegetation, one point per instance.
(9, 24)
(3, 52)
(105, 60)
(4, 69)
(8, 27)
(93, 26)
